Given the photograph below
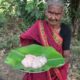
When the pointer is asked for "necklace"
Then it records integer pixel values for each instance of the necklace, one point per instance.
(56, 36)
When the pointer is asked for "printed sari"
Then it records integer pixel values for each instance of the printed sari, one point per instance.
(42, 34)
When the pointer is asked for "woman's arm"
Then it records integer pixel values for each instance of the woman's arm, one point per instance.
(30, 36)
(66, 45)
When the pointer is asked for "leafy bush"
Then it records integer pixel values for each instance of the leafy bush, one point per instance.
(11, 42)
(2, 20)
(34, 11)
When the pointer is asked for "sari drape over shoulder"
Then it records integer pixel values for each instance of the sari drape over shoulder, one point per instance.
(34, 35)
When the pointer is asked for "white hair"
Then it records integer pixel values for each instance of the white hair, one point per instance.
(55, 2)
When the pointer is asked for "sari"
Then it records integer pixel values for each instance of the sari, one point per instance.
(42, 34)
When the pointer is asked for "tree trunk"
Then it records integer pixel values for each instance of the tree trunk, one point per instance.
(74, 10)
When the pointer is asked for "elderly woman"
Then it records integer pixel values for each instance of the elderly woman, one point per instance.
(50, 32)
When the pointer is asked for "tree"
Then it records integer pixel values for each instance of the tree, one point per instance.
(74, 10)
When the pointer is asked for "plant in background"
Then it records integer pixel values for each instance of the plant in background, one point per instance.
(30, 11)
(34, 10)
(3, 20)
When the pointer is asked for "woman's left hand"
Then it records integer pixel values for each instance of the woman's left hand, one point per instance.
(67, 56)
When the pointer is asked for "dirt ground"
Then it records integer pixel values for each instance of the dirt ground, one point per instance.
(6, 72)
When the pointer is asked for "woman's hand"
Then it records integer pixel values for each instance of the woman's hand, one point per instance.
(67, 56)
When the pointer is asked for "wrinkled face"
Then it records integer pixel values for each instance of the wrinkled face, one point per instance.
(54, 14)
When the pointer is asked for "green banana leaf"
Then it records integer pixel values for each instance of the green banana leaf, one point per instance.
(15, 57)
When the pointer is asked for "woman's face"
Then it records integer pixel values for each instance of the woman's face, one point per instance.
(54, 14)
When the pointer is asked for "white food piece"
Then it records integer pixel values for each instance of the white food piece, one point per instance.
(39, 62)
(42, 60)
(36, 64)
(27, 61)
(30, 57)
(31, 61)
